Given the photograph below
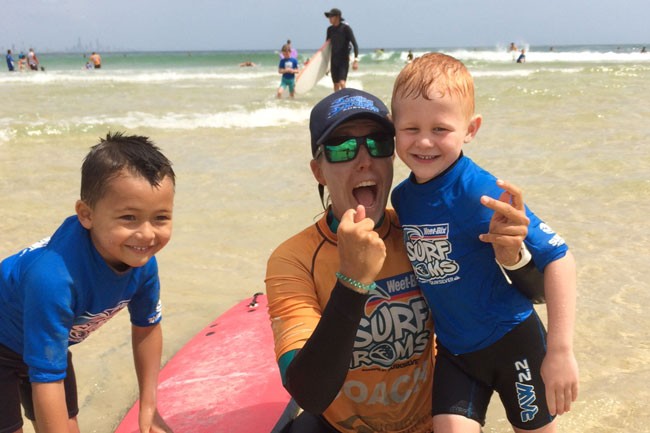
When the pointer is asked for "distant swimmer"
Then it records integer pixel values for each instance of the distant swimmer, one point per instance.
(522, 56)
(513, 50)
(22, 62)
(643, 50)
(32, 60)
(96, 59)
(247, 63)
(294, 52)
(409, 57)
(10, 61)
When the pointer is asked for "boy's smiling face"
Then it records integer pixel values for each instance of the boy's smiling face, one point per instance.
(131, 222)
(430, 133)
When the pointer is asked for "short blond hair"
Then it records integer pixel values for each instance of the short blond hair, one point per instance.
(435, 74)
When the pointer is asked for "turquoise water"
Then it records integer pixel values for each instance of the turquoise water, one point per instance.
(569, 126)
(189, 90)
(209, 59)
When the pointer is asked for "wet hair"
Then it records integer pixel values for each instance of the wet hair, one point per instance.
(435, 75)
(118, 152)
(321, 194)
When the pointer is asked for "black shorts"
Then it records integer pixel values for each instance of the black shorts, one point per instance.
(339, 70)
(16, 389)
(463, 384)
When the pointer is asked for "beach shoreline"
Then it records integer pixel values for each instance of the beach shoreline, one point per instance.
(571, 133)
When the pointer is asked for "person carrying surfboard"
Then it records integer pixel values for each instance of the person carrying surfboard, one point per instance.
(341, 36)
(56, 292)
(353, 334)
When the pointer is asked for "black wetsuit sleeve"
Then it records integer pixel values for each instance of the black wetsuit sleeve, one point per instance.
(530, 281)
(316, 374)
(353, 41)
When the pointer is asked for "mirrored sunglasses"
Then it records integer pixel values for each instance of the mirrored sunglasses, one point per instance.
(344, 149)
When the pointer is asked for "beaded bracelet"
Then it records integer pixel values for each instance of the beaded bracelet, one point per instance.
(355, 283)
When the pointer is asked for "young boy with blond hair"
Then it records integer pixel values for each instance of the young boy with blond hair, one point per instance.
(488, 333)
(288, 67)
(54, 293)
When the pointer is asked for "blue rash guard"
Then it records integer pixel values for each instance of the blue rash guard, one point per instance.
(56, 292)
(286, 63)
(473, 305)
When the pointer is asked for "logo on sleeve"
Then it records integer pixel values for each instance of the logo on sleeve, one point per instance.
(36, 245)
(428, 249)
(556, 240)
(89, 322)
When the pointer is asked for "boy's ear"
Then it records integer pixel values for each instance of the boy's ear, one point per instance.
(318, 173)
(84, 213)
(473, 127)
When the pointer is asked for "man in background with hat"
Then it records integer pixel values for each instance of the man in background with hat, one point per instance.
(340, 35)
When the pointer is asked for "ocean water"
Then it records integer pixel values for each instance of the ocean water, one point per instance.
(570, 127)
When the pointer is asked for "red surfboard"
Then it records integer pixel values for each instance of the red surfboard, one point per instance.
(225, 379)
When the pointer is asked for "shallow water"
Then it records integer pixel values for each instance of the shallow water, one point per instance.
(569, 126)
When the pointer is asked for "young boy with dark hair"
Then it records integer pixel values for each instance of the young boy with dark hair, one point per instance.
(54, 293)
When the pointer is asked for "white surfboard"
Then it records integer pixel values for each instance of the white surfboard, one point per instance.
(318, 66)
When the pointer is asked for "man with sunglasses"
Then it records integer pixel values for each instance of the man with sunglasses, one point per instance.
(353, 333)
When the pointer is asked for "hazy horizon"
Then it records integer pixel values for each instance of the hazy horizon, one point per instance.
(248, 25)
(558, 48)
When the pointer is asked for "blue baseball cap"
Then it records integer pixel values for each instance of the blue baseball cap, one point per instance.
(342, 106)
